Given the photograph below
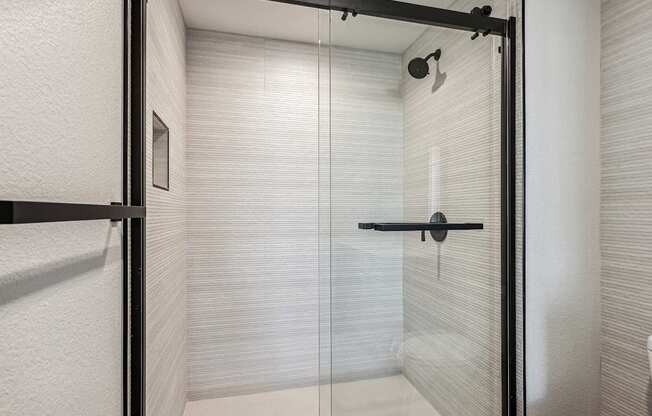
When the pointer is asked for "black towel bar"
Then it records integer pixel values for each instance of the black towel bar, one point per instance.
(27, 212)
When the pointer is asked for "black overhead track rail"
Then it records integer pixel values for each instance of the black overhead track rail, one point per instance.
(132, 208)
(506, 29)
(408, 12)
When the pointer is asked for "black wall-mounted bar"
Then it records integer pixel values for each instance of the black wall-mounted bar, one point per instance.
(27, 212)
(414, 226)
(409, 12)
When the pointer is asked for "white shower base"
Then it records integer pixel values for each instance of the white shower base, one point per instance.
(388, 396)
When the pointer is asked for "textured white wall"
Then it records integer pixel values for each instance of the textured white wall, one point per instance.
(61, 135)
(166, 213)
(562, 67)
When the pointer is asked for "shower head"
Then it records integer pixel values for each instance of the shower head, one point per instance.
(419, 68)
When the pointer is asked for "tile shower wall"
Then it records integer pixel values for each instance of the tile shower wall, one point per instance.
(452, 349)
(626, 226)
(166, 271)
(515, 8)
(252, 195)
(366, 185)
(252, 213)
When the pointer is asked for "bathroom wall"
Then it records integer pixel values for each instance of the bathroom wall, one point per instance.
(61, 138)
(166, 212)
(626, 202)
(563, 206)
(252, 216)
(452, 291)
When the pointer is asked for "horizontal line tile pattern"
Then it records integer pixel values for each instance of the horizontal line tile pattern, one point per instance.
(166, 214)
(252, 212)
(452, 323)
(626, 196)
(366, 162)
(252, 235)
(515, 8)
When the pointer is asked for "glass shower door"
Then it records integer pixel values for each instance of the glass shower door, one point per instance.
(410, 219)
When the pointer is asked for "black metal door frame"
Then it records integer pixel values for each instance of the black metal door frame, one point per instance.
(505, 28)
(508, 219)
(134, 191)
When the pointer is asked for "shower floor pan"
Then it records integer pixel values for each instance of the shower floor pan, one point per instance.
(388, 396)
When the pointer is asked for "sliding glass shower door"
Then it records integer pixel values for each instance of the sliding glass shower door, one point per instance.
(412, 218)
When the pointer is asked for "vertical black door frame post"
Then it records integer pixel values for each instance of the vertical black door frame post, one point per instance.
(125, 201)
(134, 191)
(138, 192)
(508, 218)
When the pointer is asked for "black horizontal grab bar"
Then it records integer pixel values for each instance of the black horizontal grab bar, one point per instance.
(413, 226)
(26, 212)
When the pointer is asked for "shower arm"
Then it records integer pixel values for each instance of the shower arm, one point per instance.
(436, 54)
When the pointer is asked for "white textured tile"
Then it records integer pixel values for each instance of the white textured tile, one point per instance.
(626, 195)
(252, 161)
(452, 323)
(252, 212)
(366, 185)
(166, 214)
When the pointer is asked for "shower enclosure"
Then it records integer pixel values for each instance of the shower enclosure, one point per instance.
(417, 193)
(352, 216)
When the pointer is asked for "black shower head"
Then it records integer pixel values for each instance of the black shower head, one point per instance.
(419, 68)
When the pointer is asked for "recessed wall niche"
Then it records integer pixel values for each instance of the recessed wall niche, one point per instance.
(160, 154)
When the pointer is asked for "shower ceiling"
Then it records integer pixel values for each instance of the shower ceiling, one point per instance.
(269, 19)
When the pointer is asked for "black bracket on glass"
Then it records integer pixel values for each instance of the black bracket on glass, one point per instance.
(438, 227)
(415, 226)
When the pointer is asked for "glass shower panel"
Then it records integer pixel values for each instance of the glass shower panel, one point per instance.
(413, 318)
(324, 216)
